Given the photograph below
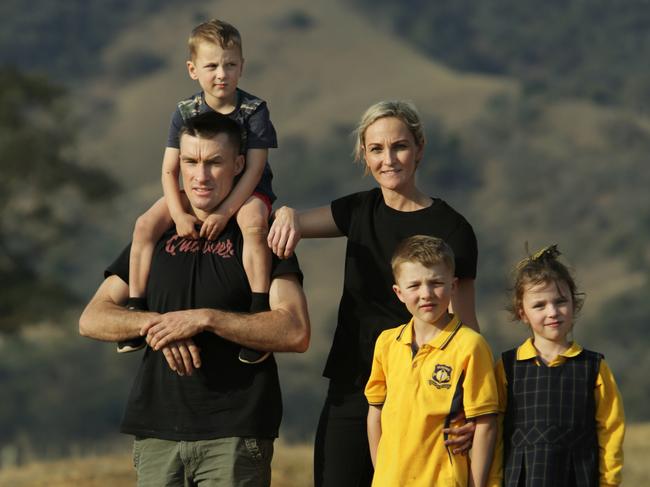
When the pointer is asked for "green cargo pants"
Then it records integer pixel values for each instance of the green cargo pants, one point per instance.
(224, 462)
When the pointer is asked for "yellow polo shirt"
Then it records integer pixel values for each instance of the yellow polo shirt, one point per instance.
(610, 418)
(417, 393)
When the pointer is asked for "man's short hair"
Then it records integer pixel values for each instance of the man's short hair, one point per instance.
(425, 250)
(209, 125)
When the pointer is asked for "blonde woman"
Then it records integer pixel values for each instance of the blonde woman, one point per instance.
(390, 141)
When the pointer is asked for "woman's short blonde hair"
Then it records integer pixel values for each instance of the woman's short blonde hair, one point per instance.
(401, 109)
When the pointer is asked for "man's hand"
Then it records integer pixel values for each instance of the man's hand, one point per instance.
(171, 327)
(213, 225)
(186, 225)
(182, 356)
(461, 437)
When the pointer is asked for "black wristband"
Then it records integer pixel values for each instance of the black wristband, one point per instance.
(259, 302)
(137, 304)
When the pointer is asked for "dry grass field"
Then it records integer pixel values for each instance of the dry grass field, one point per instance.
(637, 453)
(292, 466)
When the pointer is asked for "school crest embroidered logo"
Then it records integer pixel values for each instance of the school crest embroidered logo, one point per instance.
(441, 377)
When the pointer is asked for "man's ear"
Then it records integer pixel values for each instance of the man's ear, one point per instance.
(240, 162)
(191, 70)
(398, 292)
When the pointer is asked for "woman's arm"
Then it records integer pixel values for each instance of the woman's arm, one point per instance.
(483, 449)
(374, 431)
(459, 438)
(463, 303)
(290, 226)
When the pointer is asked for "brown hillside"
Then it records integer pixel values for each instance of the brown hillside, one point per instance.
(319, 65)
(314, 78)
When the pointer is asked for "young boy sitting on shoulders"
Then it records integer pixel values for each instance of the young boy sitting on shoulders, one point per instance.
(423, 374)
(216, 63)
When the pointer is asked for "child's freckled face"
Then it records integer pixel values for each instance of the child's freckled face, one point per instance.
(218, 71)
(426, 291)
(548, 309)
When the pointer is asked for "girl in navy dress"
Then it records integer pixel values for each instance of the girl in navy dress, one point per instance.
(563, 422)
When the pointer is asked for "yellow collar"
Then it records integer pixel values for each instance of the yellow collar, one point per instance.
(527, 350)
(439, 341)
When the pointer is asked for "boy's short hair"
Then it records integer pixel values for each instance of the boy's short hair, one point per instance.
(209, 125)
(216, 32)
(425, 250)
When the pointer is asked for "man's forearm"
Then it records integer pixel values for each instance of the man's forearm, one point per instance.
(285, 328)
(274, 331)
(105, 318)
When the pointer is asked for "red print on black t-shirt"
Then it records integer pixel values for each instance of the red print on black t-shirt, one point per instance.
(222, 248)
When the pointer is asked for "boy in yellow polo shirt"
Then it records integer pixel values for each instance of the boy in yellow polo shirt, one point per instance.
(423, 374)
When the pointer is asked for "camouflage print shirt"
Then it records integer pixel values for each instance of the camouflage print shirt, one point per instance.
(253, 116)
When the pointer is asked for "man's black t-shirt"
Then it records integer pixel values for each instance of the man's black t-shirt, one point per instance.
(224, 397)
(368, 304)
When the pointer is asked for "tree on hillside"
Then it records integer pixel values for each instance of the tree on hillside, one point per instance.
(42, 191)
(590, 49)
(65, 39)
